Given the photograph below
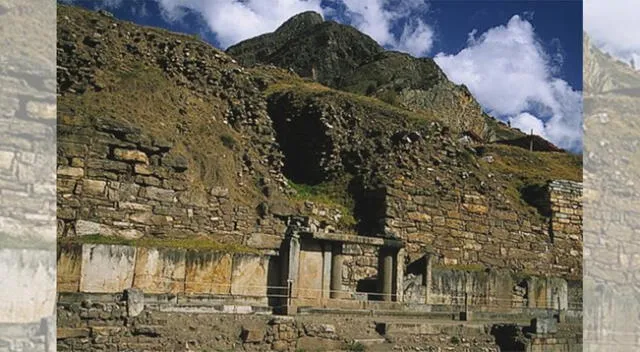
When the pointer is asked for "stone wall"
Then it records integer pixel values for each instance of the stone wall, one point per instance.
(90, 322)
(490, 290)
(465, 227)
(113, 179)
(566, 216)
(96, 268)
(360, 268)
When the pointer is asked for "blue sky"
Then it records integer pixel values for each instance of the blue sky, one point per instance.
(521, 59)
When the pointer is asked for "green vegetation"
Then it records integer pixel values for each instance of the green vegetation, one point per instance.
(389, 96)
(455, 340)
(304, 93)
(195, 243)
(355, 346)
(524, 170)
(333, 194)
(228, 141)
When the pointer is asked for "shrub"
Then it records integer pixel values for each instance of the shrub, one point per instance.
(228, 141)
(356, 347)
(389, 96)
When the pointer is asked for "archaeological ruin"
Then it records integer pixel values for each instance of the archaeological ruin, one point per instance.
(207, 204)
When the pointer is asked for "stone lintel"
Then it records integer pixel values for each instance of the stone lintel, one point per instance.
(374, 241)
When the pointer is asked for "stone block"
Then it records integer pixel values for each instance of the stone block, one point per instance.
(108, 165)
(130, 234)
(93, 187)
(249, 275)
(22, 270)
(176, 162)
(475, 208)
(220, 192)
(142, 169)
(69, 333)
(252, 334)
(107, 268)
(68, 268)
(131, 155)
(207, 272)
(418, 216)
(160, 194)
(6, 159)
(41, 110)
(135, 206)
(84, 227)
(74, 172)
(264, 241)
(150, 219)
(148, 180)
(160, 270)
(544, 325)
(72, 149)
(311, 271)
(135, 301)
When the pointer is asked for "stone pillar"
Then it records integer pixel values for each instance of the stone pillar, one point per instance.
(336, 271)
(290, 267)
(326, 269)
(399, 283)
(428, 276)
(387, 276)
(48, 327)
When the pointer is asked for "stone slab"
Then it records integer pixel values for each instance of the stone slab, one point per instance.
(208, 272)
(69, 265)
(107, 268)
(249, 275)
(160, 270)
(20, 271)
(311, 271)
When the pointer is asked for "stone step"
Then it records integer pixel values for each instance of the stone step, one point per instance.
(379, 313)
(367, 341)
(219, 309)
(429, 328)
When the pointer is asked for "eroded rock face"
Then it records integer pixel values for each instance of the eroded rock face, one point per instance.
(341, 57)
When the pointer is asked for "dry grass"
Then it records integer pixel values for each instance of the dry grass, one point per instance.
(534, 167)
(143, 97)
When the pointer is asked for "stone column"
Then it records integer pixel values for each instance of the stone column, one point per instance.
(290, 267)
(326, 269)
(427, 276)
(336, 271)
(387, 276)
(399, 283)
(531, 292)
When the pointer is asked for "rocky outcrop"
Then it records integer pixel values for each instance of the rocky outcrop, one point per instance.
(326, 51)
(341, 57)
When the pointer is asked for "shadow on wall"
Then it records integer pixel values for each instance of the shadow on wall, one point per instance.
(370, 286)
(509, 337)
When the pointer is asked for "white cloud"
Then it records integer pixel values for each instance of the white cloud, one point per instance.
(510, 74)
(233, 21)
(377, 18)
(527, 122)
(395, 24)
(613, 26)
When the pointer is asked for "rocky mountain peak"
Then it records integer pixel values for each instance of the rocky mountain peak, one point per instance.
(300, 22)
